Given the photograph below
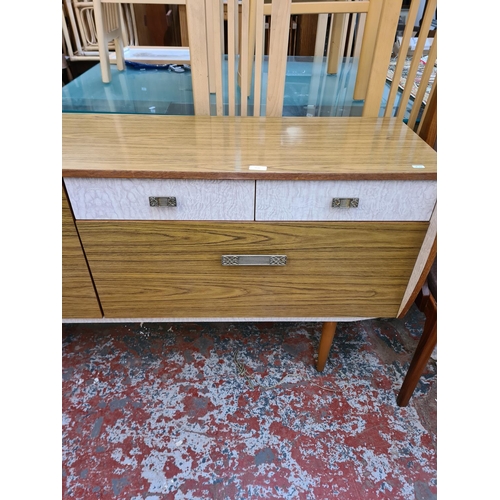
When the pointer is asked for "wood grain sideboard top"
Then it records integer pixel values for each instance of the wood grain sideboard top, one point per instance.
(196, 147)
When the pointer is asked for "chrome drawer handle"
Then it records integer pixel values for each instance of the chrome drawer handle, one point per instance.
(253, 260)
(345, 202)
(162, 201)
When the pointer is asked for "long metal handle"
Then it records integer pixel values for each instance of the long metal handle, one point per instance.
(162, 201)
(253, 260)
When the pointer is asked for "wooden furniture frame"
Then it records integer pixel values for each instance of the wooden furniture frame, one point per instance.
(250, 187)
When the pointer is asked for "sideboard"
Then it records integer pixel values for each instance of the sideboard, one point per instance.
(190, 218)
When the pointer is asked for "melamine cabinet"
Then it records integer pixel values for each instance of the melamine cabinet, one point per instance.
(303, 218)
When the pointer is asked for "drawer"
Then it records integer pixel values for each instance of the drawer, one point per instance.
(129, 199)
(377, 200)
(149, 269)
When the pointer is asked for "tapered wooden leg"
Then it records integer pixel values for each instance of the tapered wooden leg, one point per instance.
(420, 359)
(325, 343)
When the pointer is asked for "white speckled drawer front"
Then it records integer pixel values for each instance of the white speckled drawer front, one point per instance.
(129, 199)
(377, 200)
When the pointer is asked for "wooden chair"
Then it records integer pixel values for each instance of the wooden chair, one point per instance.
(108, 26)
(427, 303)
(245, 53)
(419, 83)
(80, 33)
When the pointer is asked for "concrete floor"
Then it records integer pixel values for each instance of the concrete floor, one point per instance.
(238, 411)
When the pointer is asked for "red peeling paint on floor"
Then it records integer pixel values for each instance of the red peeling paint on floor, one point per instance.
(238, 411)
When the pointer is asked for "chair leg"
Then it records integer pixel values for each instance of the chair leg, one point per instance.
(102, 41)
(422, 298)
(325, 343)
(120, 60)
(420, 359)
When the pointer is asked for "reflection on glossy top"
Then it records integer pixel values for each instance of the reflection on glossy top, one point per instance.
(107, 145)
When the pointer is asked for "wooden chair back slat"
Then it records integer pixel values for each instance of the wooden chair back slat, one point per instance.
(336, 46)
(259, 55)
(427, 128)
(424, 81)
(196, 21)
(244, 56)
(319, 46)
(407, 34)
(367, 48)
(232, 52)
(419, 49)
(215, 6)
(361, 21)
(280, 23)
(389, 18)
(211, 49)
(250, 48)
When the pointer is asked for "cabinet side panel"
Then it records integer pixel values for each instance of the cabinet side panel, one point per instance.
(78, 295)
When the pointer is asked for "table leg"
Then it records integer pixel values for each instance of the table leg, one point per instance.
(325, 343)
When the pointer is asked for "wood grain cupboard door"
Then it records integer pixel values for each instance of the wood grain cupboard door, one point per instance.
(173, 269)
(78, 295)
